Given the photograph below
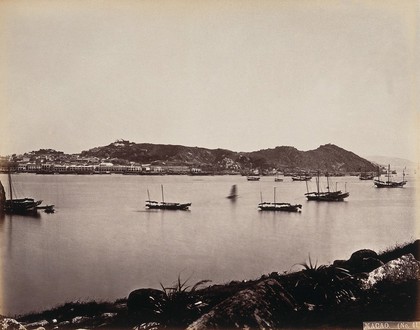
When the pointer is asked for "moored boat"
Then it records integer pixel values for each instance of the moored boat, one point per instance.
(366, 176)
(21, 206)
(167, 206)
(151, 204)
(388, 183)
(301, 177)
(253, 178)
(275, 206)
(278, 179)
(325, 196)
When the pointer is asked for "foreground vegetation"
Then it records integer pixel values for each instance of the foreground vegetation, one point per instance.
(366, 287)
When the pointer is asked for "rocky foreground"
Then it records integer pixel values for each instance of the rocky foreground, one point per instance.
(366, 287)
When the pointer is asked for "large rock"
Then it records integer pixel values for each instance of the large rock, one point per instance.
(263, 306)
(362, 261)
(361, 254)
(37, 324)
(396, 271)
(147, 302)
(81, 319)
(10, 324)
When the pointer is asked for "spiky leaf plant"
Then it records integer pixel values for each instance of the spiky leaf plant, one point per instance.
(180, 305)
(324, 285)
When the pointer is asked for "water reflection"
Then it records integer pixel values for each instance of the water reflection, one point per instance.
(2, 217)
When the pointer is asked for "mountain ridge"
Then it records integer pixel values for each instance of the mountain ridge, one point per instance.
(326, 157)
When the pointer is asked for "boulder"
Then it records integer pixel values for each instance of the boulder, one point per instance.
(147, 302)
(81, 319)
(340, 263)
(64, 323)
(360, 262)
(107, 316)
(10, 324)
(361, 254)
(37, 324)
(396, 271)
(369, 264)
(148, 326)
(262, 306)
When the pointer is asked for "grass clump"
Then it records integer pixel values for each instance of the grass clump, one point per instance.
(399, 250)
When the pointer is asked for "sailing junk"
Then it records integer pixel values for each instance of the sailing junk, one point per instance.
(274, 206)
(22, 206)
(301, 177)
(165, 205)
(328, 196)
(388, 183)
(233, 192)
(253, 178)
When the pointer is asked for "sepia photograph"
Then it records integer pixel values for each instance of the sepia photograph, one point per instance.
(213, 164)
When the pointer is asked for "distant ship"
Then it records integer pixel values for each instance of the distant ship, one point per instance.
(388, 183)
(366, 176)
(301, 177)
(278, 179)
(253, 178)
(328, 196)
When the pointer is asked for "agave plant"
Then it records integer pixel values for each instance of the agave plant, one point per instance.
(324, 285)
(180, 305)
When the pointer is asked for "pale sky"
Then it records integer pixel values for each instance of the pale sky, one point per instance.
(241, 75)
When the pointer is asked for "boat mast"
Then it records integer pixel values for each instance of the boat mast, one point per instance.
(10, 183)
(163, 199)
(148, 194)
(317, 182)
(261, 196)
(328, 182)
(274, 195)
(389, 170)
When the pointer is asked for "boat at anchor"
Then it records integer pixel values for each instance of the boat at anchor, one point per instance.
(325, 196)
(275, 206)
(301, 177)
(253, 178)
(388, 183)
(165, 205)
(22, 206)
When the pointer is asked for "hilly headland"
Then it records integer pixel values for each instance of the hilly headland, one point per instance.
(148, 158)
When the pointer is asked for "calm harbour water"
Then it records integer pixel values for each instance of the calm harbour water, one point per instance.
(102, 243)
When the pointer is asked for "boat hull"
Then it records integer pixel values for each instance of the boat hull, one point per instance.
(168, 206)
(284, 207)
(253, 178)
(307, 178)
(390, 184)
(21, 206)
(336, 196)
